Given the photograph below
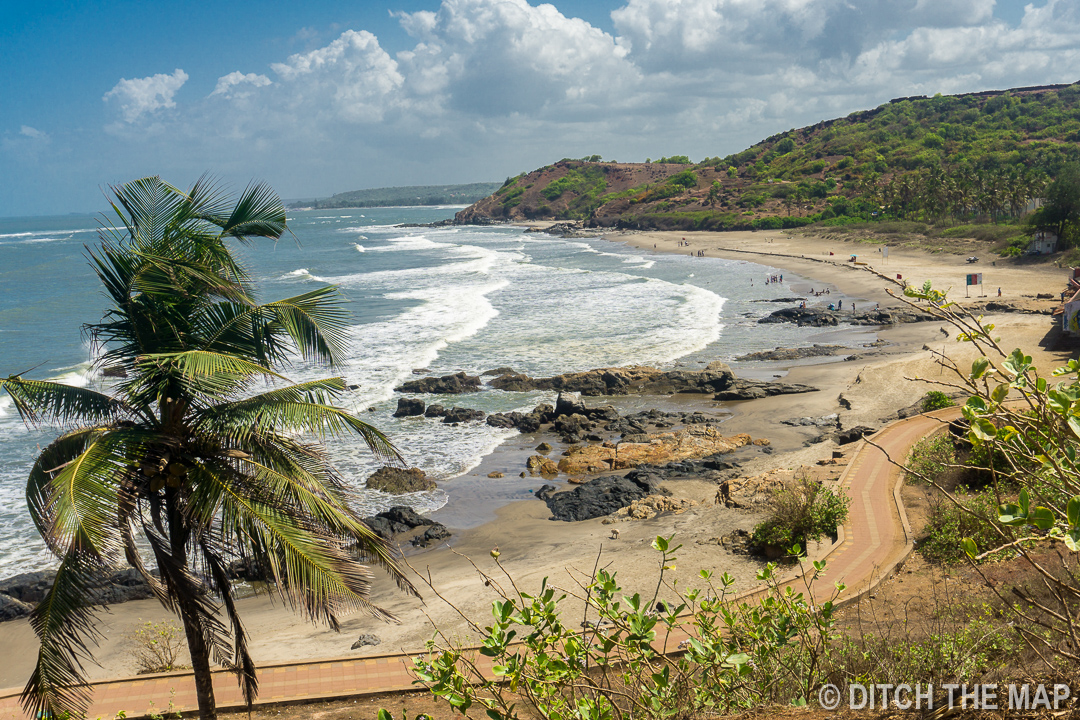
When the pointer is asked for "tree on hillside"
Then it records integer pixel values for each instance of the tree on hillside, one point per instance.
(196, 460)
(1061, 208)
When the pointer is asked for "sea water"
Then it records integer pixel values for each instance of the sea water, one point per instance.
(435, 299)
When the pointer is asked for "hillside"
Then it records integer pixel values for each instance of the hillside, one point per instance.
(408, 195)
(983, 154)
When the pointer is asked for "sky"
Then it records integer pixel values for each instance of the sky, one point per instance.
(319, 97)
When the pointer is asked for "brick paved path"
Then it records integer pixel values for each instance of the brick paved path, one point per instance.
(874, 541)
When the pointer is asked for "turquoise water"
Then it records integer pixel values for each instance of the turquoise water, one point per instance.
(444, 299)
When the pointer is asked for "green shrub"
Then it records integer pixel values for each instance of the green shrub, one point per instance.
(931, 458)
(803, 512)
(948, 525)
(936, 400)
(157, 647)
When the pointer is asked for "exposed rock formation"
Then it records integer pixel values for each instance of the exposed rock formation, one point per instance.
(408, 407)
(401, 519)
(651, 506)
(626, 380)
(794, 353)
(445, 385)
(660, 448)
(753, 389)
(821, 317)
(397, 481)
(460, 415)
(602, 496)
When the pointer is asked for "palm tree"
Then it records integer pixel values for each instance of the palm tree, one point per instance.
(195, 461)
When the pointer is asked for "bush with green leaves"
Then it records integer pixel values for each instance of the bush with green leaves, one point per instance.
(802, 512)
(948, 524)
(933, 457)
(697, 653)
(936, 400)
(157, 647)
(1028, 428)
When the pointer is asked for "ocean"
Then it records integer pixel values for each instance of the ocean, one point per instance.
(441, 299)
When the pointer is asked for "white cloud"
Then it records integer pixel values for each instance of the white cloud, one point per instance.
(140, 96)
(230, 84)
(352, 78)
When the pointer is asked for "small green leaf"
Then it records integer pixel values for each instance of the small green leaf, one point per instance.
(999, 393)
(1042, 518)
(979, 367)
(983, 429)
(1072, 512)
(1025, 501)
(384, 715)
(1011, 515)
(1072, 540)
(968, 546)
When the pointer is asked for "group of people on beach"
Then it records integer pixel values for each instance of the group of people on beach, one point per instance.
(819, 292)
(774, 279)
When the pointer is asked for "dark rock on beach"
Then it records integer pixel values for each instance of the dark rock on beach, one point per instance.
(823, 317)
(753, 389)
(409, 407)
(794, 353)
(852, 434)
(11, 609)
(603, 495)
(460, 415)
(445, 385)
(624, 381)
(401, 519)
(397, 481)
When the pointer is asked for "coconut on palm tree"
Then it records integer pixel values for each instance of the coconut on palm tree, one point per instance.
(202, 454)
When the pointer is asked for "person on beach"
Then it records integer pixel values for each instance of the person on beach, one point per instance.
(839, 304)
(999, 292)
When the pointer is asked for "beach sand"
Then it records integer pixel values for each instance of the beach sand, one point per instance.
(875, 382)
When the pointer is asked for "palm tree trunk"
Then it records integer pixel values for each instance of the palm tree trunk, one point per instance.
(200, 665)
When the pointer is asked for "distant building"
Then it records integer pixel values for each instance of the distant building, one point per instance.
(1044, 243)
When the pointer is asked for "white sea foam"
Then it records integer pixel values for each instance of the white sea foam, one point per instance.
(299, 273)
(359, 247)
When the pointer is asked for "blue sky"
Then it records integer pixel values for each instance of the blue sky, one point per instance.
(324, 97)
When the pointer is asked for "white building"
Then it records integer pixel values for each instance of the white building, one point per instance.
(1044, 243)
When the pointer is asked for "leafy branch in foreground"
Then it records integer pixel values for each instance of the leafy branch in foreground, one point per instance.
(702, 652)
(1014, 414)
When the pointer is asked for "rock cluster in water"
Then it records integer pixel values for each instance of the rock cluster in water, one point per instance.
(397, 481)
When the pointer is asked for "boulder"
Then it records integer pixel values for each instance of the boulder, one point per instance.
(504, 420)
(793, 353)
(433, 534)
(446, 385)
(435, 410)
(544, 448)
(495, 474)
(602, 496)
(852, 434)
(623, 381)
(460, 415)
(400, 480)
(538, 464)
(365, 640)
(409, 407)
(498, 371)
(11, 609)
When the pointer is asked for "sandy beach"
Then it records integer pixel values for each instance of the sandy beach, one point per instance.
(873, 383)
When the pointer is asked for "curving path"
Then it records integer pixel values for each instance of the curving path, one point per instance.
(876, 540)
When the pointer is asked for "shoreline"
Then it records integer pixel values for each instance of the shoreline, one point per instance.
(534, 547)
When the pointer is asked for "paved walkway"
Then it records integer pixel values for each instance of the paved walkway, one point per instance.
(870, 547)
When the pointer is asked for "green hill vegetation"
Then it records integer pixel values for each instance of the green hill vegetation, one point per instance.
(943, 160)
(408, 195)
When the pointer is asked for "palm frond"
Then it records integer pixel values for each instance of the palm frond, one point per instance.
(295, 408)
(63, 623)
(44, 401)
(258, 213)
(73, 487)
(242, 663)
(315, 322)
